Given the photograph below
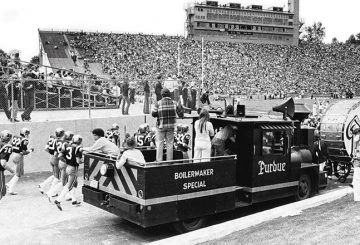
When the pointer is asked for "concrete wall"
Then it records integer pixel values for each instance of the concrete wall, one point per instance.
(39, 160)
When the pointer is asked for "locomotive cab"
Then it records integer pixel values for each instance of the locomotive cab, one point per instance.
(264, 169)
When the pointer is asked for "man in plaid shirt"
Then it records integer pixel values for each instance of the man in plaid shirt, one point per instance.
(165, 111)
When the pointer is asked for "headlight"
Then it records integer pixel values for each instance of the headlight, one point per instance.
(107, 170)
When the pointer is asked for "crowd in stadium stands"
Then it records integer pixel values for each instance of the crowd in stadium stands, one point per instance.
(252, 70)
(240, 68)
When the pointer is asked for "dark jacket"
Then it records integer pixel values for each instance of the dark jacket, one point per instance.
(16, 92)
(2, 87)
(158, 88)
(125, 89)
(29, 86)
(146, 88)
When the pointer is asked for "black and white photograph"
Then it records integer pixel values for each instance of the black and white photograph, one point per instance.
(179, 122)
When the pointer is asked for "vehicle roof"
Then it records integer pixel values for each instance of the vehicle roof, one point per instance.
(249, 120)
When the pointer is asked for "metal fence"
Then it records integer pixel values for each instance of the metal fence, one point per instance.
(40, 94)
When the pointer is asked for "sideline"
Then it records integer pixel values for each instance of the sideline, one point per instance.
(218, 231)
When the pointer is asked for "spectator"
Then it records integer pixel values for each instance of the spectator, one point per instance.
(132, 93)
(193, 93)
(171, 84)
(158, 88)
(3, 96)
(130, 155)
(203, 131)
(205, 101)
(126, 100)
(14, 95)
(115, 92)
(146, 97)
(73, 57)
(29, 94)
(185, 94)
(102, 145)
(165, 110)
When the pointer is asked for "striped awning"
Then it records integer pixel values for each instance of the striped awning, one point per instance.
(275, 127)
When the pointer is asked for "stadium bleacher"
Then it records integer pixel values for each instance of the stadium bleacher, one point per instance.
(54, 44)
(230, 68)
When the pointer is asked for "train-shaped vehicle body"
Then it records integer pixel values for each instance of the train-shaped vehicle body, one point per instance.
(267, 164)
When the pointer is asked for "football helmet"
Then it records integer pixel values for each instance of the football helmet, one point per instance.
(59, 132)
(5, 136)
(179, 128)
(153, 130)
(68, 135)
(142, 129)
(77, 139)
(147, 127)
(115, 126)
(24, 132)
(185, 128)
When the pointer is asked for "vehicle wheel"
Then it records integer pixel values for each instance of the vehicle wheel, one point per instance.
(342, 179)
(304, 188)
(189, 225)
(342, 170)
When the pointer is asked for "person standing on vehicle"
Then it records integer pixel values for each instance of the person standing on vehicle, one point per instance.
(203, 131)
(356, 159)
(165, 110)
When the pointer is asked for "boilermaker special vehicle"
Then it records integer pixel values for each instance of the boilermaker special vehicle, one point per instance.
(269, 161)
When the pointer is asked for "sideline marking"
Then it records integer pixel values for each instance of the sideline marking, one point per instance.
(221, 230)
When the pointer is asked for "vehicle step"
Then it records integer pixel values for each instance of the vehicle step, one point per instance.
(241, 204)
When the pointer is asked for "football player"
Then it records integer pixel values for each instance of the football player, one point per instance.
(151, 137)
(61, 144)
(5, 152)
(177, 135)
(113, 134)
(141, 134)
(20, 149)
(184, 141)
(72, 154)
(54, 161)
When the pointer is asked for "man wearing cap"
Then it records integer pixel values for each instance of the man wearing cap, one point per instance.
(130, 155)
(3, 96)
(165, 111)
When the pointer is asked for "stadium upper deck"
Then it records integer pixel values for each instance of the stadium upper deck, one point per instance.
(236, 23)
